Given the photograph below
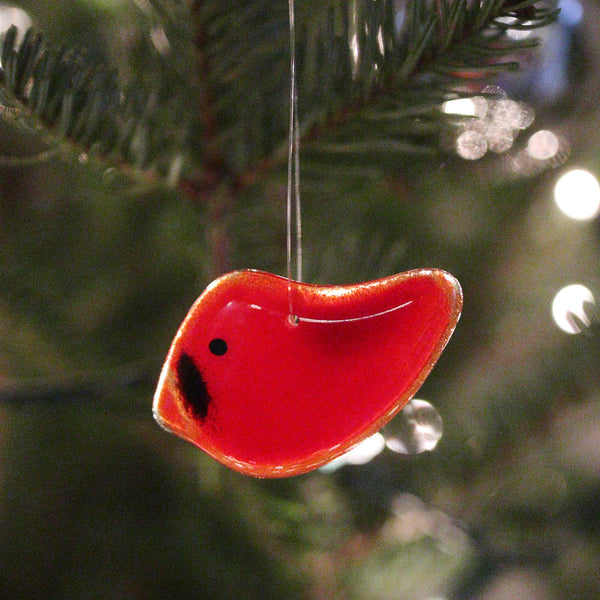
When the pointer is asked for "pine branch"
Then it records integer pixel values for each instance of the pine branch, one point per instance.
(370, 90)
(89, 387)
(371, 80)
(69, 98)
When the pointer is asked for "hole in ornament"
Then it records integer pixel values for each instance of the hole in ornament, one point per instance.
(293, 319)
(218, 346)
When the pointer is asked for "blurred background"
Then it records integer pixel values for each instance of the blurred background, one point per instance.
(486, 488)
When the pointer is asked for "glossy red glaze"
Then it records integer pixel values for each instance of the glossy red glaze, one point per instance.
(281, 398)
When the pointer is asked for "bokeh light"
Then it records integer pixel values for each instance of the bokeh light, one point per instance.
(577, 194)
(571, 308)
(571, 12)
(12, 15)
(495, 126)
(421, 429)
(360, 454)
(159, 39)
(514, 33)
(543, 145)
(471, 145)
(460, 106)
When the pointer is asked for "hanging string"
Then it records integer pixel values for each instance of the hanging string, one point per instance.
(294, 216)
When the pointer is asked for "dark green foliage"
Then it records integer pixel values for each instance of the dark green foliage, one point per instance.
(366, 85)
(361, 77)
(72, 537)
(98, 268)
(68, 94)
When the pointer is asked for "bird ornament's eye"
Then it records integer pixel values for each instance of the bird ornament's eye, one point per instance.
(217, 346)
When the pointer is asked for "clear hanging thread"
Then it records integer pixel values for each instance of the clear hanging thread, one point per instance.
(294, 224)
(294, 213)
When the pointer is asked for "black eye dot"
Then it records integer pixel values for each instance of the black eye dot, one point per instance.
(217, 346)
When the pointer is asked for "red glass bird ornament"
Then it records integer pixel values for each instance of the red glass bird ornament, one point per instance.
(272, 395)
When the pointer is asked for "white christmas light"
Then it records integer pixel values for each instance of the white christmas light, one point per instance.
(11, 15)
(360, 454)
(543, 145)
(577, 194)
(569, 308)
(366, 451)
(471, 145)
(460, 106)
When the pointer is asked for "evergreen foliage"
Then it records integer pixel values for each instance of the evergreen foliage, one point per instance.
(368, 82)
(99, 262)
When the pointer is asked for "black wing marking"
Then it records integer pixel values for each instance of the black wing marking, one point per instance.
(192, 387)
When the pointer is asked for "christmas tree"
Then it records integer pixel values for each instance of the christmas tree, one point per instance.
(144, 152)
